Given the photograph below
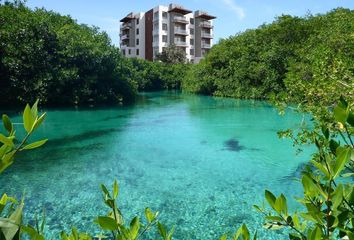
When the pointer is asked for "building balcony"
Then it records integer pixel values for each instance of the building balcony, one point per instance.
(179, 31)
(180, 20)
(124, 37)
(180, 43)
(124, 43)
(155, 32)
(206, 45)
(205, 25)
(125, 26)
(207, 35)
(204, 15)
(178, 9)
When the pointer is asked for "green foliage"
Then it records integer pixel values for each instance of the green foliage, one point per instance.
(152, 76)
(10, 210)
(52, 57)
(172, 55)
(115, 223)
(328, 200)
(8, 149)
(241, 234)
(300, 60)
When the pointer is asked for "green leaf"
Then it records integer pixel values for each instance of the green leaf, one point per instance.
(223, 237)
(162, 231)
(34, 145)
(28, 120)
(245, 232)
(281, 205)
(258, 208)
(7, 123)
(150, 216)
(341, 113)
(105, 190)
(337, 197)
(6, 140)
(134, 228)
(333, 145)
(273, 226)
(325, 132)
(274, 218)
(321, 167)
(270, 198)
(34, 109)
(107, 223)
(315, 234)
(351, 119)
(115, 189)
(39, 121)
(343, 156)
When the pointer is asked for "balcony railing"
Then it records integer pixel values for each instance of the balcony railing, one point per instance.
(155, 32)
(206, 45)
(180, 19)
(206, 25)
(124, 36)
(126, 26)
(180, 43)
(207, 35)
(181, 31)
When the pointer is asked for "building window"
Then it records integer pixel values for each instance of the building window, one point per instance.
(191, 41)
(156, 15)
(137, 21)
(137, 52)
(137, 41)
(164, 38)
(123, 51)
(191, 51)
(156, 38)
(191, 21)
(164, 14)
(137, 31)
(164, 26)
(130, 51)
(191, 31)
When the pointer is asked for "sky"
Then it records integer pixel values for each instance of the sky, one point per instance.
(233, 16)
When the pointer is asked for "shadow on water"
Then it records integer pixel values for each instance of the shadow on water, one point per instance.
(296, 174)
(233, 145)
(80, 137)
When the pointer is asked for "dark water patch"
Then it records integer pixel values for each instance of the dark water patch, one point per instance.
(254, 149)
(81, 137)
(233, 145)
(115, 117)
(296, 174)
(203, 142)
(239, 219)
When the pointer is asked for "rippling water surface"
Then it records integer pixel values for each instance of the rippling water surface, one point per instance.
(201, 161)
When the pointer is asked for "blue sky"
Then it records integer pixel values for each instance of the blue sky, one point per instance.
(233, 16)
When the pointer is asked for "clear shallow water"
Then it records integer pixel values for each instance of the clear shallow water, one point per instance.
(201, 161)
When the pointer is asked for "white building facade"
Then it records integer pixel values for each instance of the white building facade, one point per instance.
(144, 35)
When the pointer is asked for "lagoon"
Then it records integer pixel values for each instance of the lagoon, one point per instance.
(202, 162)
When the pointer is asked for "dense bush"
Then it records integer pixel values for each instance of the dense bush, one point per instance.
(152, 76)
(291, 56)
(48, 56)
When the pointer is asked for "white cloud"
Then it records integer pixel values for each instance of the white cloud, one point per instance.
(240, 12)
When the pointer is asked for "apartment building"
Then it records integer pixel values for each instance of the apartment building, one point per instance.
(146, 34)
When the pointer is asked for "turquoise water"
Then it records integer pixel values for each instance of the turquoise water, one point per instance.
(201, 161)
